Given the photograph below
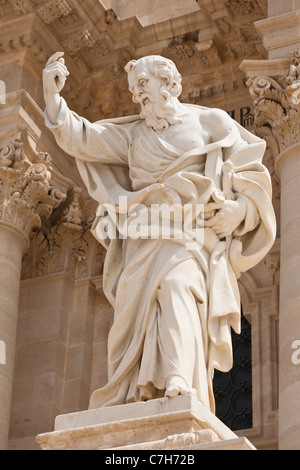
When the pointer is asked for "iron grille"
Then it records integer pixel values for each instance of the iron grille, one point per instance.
(233, 390)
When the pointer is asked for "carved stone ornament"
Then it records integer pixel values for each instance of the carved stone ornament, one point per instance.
(77, 41)
(276, 111)
(67, 245)
(241, 8)
(22, 7)
(49, 11)
(53, 10)
(26, 195)
(209, 51)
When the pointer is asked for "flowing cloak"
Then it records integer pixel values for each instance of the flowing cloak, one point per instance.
(123, 157)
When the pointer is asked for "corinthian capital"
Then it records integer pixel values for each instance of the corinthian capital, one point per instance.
(277, 108)
(276, 113)
(26, 194)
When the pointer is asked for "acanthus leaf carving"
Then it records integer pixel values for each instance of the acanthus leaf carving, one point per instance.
(67, 245)
(26, 196)
(276, 111)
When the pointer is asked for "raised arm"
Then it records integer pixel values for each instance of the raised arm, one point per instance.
(102, 142)
(54, 78)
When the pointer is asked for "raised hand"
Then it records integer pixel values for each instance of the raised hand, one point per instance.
(55, 74)
(54, 79)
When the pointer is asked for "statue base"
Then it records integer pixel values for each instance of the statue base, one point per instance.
(180, 423)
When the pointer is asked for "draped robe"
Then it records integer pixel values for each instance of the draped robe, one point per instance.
(124, 157)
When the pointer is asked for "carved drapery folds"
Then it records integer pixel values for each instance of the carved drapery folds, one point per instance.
(26, 195)
(277, 106)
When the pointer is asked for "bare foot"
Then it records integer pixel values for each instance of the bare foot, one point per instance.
(177, 386)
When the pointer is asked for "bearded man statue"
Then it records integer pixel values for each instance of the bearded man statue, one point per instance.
(174, 301)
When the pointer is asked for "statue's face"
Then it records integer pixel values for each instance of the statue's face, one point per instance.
(143, 85)
(152, 94)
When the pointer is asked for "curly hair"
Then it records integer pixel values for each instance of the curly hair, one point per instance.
(162, 68)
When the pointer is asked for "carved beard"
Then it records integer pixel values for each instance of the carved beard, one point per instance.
(159, 113)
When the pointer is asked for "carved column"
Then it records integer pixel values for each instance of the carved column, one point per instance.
(26, 198)
(277, 120)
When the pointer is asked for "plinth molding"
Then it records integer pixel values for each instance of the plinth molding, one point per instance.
(168, 423)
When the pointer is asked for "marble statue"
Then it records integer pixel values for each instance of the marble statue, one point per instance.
(174, 302)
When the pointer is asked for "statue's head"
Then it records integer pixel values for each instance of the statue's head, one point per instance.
(155, 82)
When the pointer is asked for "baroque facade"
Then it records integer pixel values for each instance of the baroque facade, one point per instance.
(241, 56)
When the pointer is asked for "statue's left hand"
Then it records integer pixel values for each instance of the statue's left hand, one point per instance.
(229, 216)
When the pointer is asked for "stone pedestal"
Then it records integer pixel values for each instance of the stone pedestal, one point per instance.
(163, 424)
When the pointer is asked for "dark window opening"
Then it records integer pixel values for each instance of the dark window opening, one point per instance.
(233, 390)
